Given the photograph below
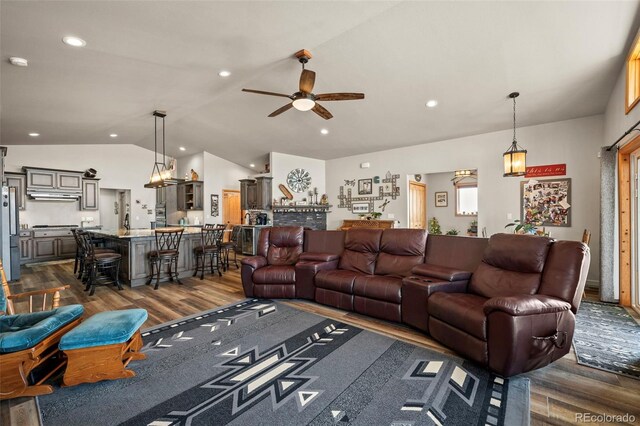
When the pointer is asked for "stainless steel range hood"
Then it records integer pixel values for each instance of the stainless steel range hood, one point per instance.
(52, 196)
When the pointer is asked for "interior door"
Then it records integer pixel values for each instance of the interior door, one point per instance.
(417, 205)
(231, 213)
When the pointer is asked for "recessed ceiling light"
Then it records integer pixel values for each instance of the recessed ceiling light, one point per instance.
(252, 165)
(324, 131)
(34, 135)
(113, 135)
(182, 148)
(18, 62)
(431, 103)
(74, 41)
(224, 73)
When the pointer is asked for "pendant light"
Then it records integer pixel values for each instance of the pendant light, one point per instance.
(515, 159)
(160, 175)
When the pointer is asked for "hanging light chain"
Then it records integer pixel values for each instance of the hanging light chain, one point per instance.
(514, 119)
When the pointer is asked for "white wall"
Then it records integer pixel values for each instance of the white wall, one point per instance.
(439, 182)
(616, 121)
(282, 164)
(108, 218)
(219, 174)
(574, 142)
(120, 166)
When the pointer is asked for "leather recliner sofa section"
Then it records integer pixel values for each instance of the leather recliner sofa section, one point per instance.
(507, 302)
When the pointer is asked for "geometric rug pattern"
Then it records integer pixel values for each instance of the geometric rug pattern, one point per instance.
(607, 338)
(266, 363)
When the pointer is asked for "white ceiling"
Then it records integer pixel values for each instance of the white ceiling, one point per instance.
(563, 57)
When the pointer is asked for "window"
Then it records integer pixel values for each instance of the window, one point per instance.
(466, 199)
(632, 95)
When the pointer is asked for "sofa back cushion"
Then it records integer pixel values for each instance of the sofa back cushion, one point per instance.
(457, 252)
(565, 272)
(331, 242)
(512, 264)
(361, 247)
(285, 245)
(400, 250)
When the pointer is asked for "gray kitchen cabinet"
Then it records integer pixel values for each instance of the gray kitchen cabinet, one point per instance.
(161, 196)
(190, 195)
(245, 185)
(45, 248)
(90, 194)
(41, 179)
(263, 193)
(69, 181)
(25, 249)
(18, 181)
(139, 258)
(66, 247)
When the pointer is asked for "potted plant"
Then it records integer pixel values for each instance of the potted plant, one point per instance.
(453, 231)
(522, 227)
(434, 226)
(376, 215)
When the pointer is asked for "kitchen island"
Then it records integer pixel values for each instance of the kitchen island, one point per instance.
(134, 245)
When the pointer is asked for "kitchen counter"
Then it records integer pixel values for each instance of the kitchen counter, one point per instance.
(135, 244)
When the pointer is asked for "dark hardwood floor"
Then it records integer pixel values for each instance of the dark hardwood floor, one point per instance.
(558, 391)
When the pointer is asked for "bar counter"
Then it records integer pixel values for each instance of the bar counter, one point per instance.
(134, 245)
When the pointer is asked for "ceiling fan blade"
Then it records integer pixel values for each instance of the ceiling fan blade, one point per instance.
(307, 79)
(281, 110)
(322, 111)
(261, 92)
(339, 96)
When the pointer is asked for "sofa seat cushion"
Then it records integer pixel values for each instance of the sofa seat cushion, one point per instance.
(275, 274)
(104, 328)
(379, 287)
(337, 280)
(463, 311)
(24, 331)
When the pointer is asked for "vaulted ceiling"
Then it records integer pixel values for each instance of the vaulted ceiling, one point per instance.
(563, 57)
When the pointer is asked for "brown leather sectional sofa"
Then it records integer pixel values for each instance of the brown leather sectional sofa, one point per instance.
(507, 302)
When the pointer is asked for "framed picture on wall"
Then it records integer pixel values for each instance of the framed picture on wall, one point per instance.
(442, 199)
(215, 209)
(546, 202)
(360, 208)
(365, 186)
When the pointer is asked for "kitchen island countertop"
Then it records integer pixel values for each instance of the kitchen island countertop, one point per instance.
(139, 233)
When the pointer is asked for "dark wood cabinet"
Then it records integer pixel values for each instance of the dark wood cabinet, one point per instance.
(255, 194)
(90, 194)
(190, 195)
(18, 181)
(25, 249)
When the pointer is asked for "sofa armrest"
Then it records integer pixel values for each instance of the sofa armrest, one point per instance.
(319, 257)
(441, 272)
(416, 291)
(526, 305)
(306, 274)
(255, 262)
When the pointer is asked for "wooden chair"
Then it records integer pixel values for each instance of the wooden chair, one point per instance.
(166, 253)
(232, 245)
(209, 248)
(17, 360)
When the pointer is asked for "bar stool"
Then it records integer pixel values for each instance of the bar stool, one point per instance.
(210, 247)
(102, 268)
(78, 265)
(231, 245)
(166, 253)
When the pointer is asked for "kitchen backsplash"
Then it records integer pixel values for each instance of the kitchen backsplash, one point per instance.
(56, 213)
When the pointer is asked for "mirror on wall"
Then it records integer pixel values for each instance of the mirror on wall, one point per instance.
(445, 203)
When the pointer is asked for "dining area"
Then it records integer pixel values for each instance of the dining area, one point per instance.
(139, 257)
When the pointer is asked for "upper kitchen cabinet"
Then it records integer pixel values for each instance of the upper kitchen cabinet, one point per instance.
(161, 196)
(49, 179)
(90, 199)
(19, 182)
(255, 194)
(190, 195)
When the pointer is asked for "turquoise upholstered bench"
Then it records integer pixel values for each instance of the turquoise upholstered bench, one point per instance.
(101, 347)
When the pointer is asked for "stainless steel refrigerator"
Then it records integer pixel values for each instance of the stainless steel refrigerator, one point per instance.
(10, 230)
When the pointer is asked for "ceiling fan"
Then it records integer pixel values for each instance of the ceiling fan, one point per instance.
(305, 99)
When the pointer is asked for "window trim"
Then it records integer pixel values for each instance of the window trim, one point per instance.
(461, 185)
(632, 77)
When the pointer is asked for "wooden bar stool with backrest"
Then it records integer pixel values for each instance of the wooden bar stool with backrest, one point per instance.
(103, 268)
(232, 244)
(166, 253)
(78, 266)
(209, 248)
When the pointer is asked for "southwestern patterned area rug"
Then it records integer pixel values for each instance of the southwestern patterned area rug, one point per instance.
(260, 362)
(607, 338)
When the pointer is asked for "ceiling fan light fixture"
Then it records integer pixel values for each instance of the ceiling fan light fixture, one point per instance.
(304, 104)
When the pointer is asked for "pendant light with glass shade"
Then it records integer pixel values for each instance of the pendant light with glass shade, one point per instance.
(160, 174)
(515, 158)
